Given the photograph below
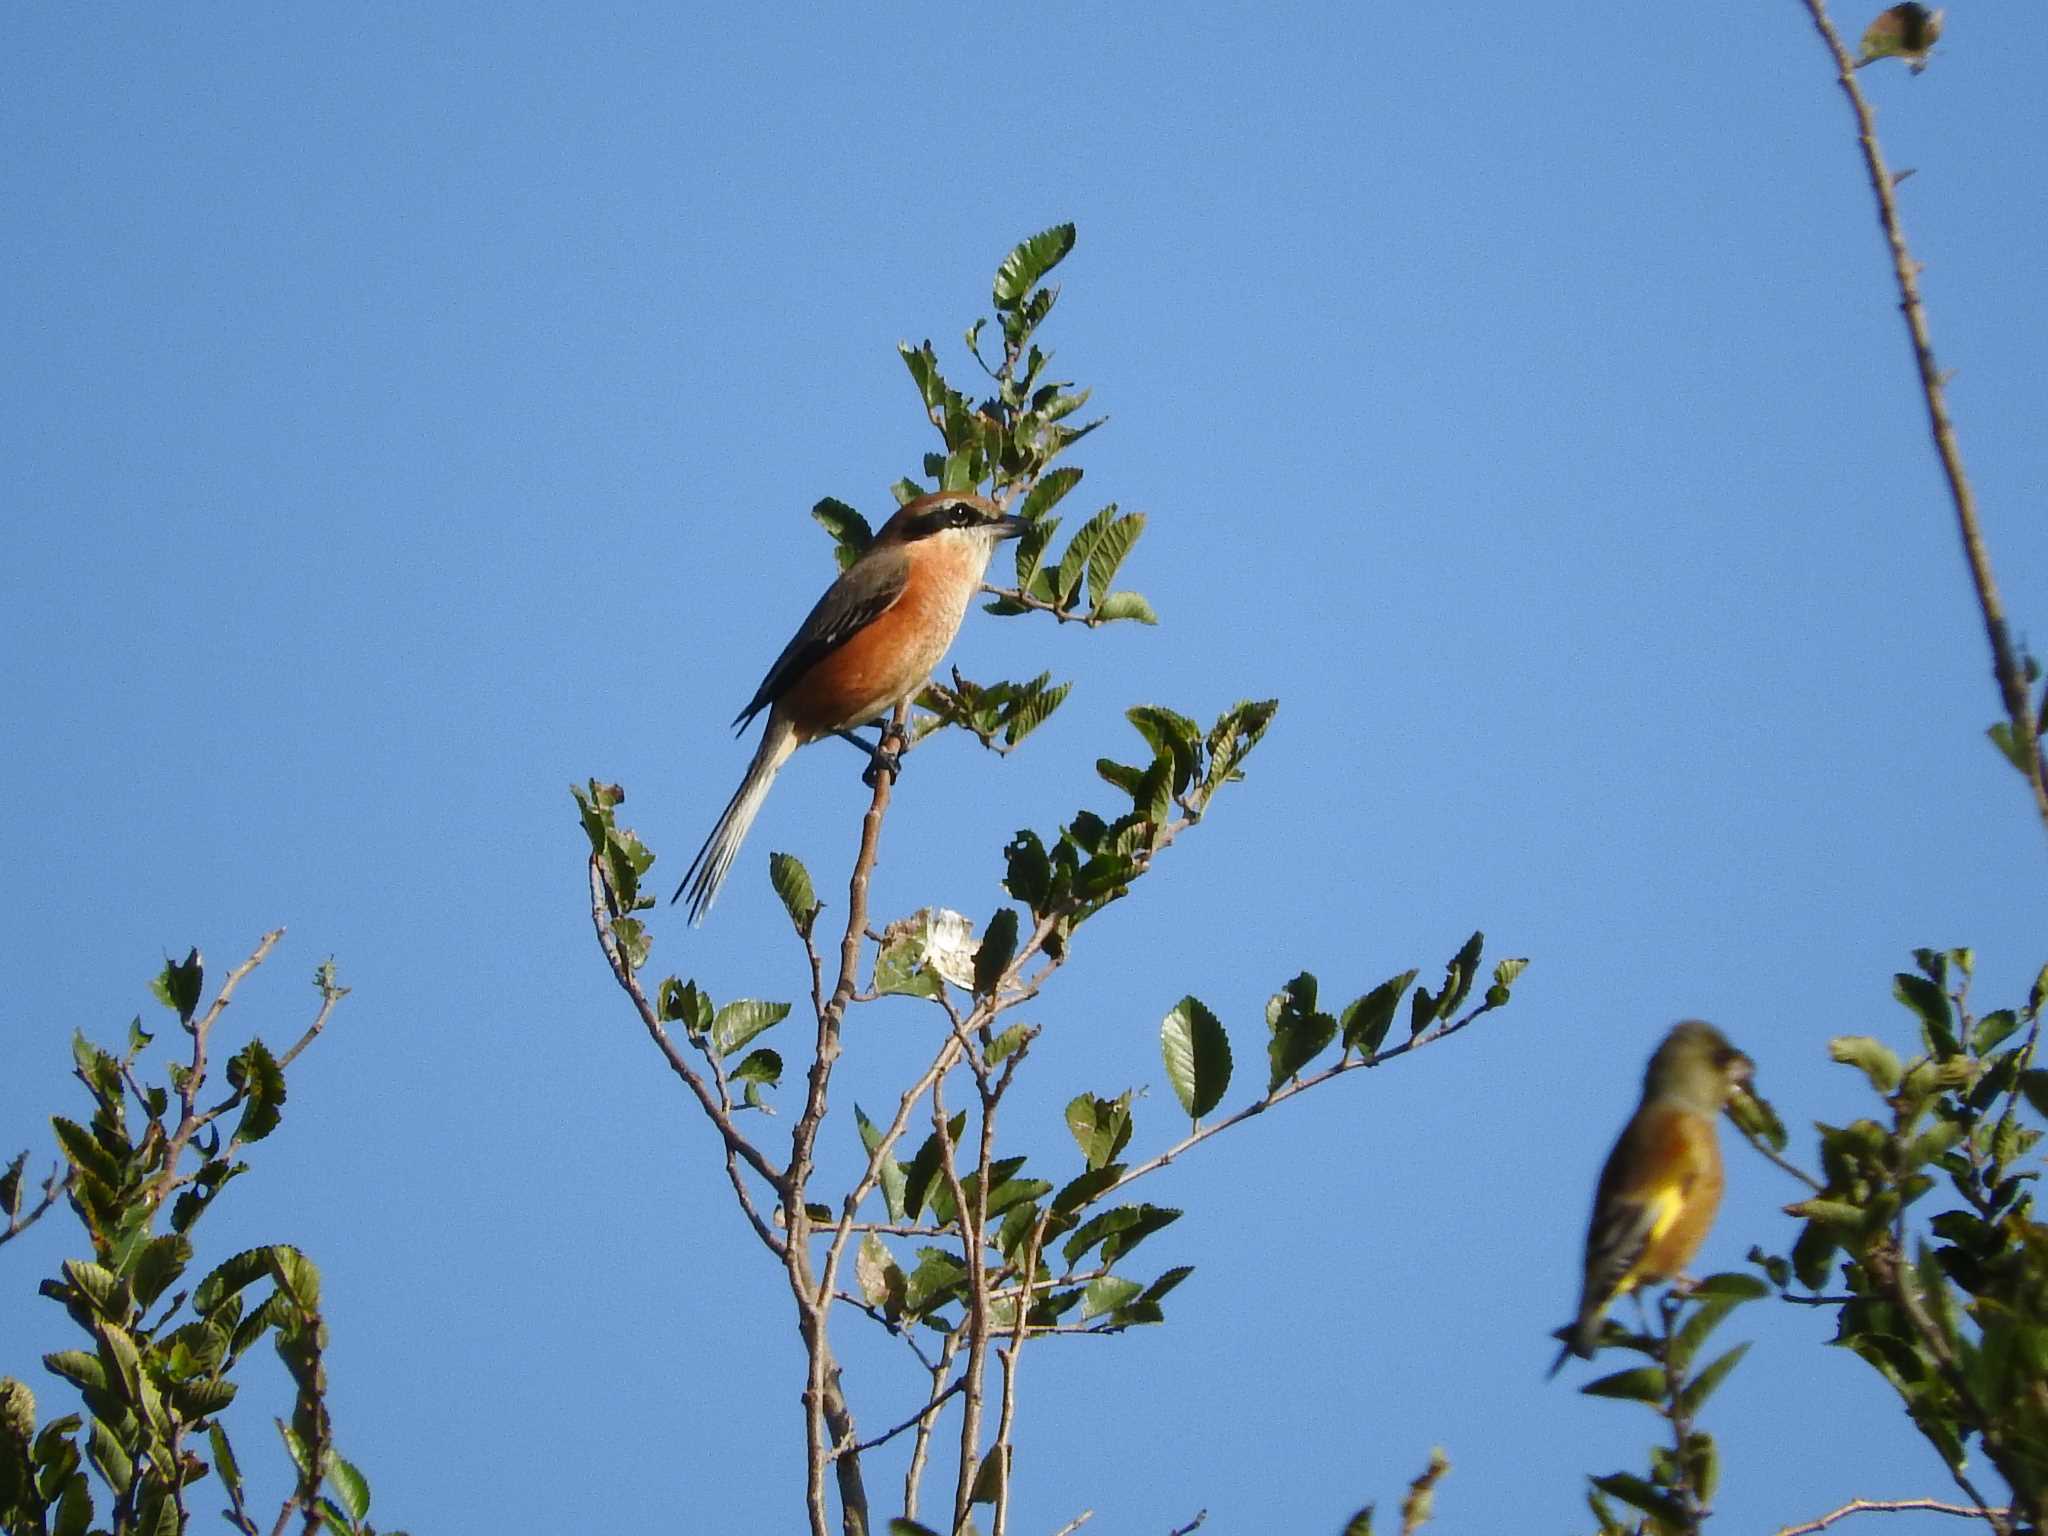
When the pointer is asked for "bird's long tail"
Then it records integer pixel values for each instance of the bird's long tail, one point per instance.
(708, 870)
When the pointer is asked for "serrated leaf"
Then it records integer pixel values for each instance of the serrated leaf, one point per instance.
(1197, 1052)
(1366, 1021)
(850, 532)
(1029, 261)
(1101, 1127)
(352, 1488)
(1298, 1033)
(224, 1462)
(256, 1073)
(1107, 1294)
(1125, 605)
(741, 1020)
(179, 984)
(761, 1066)
(1110, 551)
(792, 883)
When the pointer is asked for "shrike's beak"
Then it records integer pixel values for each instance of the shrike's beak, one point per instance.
(1008, 526)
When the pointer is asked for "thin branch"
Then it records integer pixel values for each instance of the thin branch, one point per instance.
(189, 1117)
(827, 1423)
(1006, 1417)
(1775, 1157)
(1287, 1091)
(2005, 665)
(54, 1186)
(977, 1308)
(912, 1422)
(1076, 1523)
(738, 1148)
(920, 1447)
(1201, 1519)
(1891, 1506)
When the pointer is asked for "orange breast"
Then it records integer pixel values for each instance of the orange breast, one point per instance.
(887, 661)
(1669, 1251)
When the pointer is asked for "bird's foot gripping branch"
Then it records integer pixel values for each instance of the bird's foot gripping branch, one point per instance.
(936, 1231)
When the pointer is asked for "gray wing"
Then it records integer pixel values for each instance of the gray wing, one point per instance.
(863, 593)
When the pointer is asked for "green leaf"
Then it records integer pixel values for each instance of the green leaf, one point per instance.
(295, 1275)
(923, 1167)
(681, 1003)
(1756, 1116)
(1877, 1060)
(902, 1527)
(224, 1461)
(761, 1066)
(900, 968)
(261, 1080)
(740, 1021)
(85, 1152)
(1101, 1127)
(892, 1170)
(1643, 1384)
(1993, 1030)
(10, 1187)
(1631, 1489)
(792, 883)
(1197, 1052)
(1119, 1229)
(1360, 1524)
(74, 1508)
(1298, 1032)
(635, 942)
(1029, 262)
(1107, 1294)
(1931, 1004)
(352, 1486)
(106, 1452)
(157, 1263)
(179, 985)
(998, 946)
(851, 535)
(1366, 1021)
(1110, 552)
(1052, 486)
(1694, 1394)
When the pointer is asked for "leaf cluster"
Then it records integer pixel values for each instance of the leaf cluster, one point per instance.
(158, 1359)
(1949, 1309)
(1677, 1491)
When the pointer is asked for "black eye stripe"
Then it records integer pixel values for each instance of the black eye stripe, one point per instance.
(959, 514)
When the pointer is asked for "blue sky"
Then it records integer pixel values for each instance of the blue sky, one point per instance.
(408, 412)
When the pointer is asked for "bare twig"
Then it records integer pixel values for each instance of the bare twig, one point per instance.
(1076, 1523)
(827, 1423)
(189, 1117)
(53, 1188)
(737, 1148)
(920, 1447)
(1777, 1158)
(922, 1415)
(1201, 1519)
(2005, 665)
(1890, 1506)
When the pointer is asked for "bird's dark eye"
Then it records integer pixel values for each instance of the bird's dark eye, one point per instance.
(962, 515)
